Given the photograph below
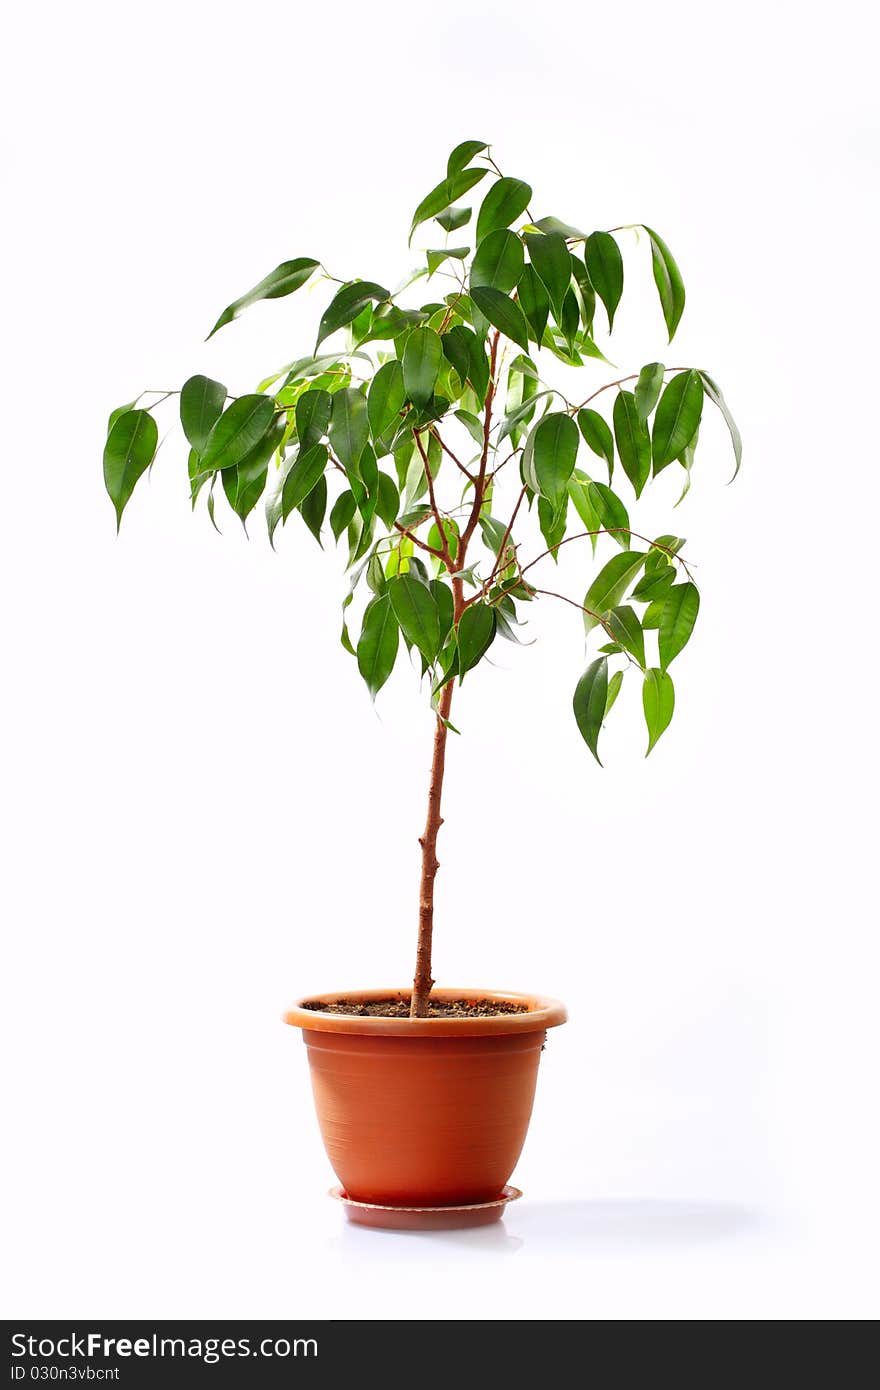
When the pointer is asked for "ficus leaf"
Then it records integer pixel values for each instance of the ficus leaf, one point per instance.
(534, 301)
(445, 193)
(506, 200)
(498, 263)
(342, 512)
(614, 684)
(713, 391)
(415, 609)
(303, 476)
(445, 602)
(314, 507)
(377, 645)
(654, 584)
(624, 624)
(589, 703)
(283, 280)
(597, 433)
(503, 314)
(677, 620)
(239, 429)
(648, 388)
(346, 304)
(667, 278)
(462, 155)
(677, 418)
(555, 454)
(658, 701)
(476, 629)
(312, 417)
(610, 585)
(551, 258)
(349, 427)
(605, 266)
(201, 405)
(453, 218)
(611, 512)
(633, 440)
(387, 500)
(128, 453)
(421, 364)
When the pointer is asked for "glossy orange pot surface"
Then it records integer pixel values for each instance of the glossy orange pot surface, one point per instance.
(426, 1111)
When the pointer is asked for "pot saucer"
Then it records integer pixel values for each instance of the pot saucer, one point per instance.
(425, 1218)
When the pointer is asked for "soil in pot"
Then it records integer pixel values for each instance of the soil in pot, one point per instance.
(398, 1007)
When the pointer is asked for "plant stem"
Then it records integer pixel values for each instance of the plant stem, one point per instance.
(423, 980)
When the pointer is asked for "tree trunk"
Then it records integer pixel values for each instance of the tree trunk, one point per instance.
(423, 980)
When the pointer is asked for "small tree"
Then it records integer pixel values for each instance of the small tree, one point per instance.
(449, 394)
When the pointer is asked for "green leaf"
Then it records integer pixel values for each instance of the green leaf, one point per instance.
(476, 630)
(435, 258)
(415, 609)
(303, 476)
(349, 427)
(342, 513)
(605, 267)
(677, 621)
(648, 388)
(504, 203)
(677, 419)
(654, 584)
(312, 417)
(503, 314)
(387, 500)
(377, 646)
(611, 512)
(346, 304)
(614, 685)
(244, 484)
(589, 703)
(284, 279)
(445, 606)
(653, 613)
(569, 320)
(239, 430)
(462, 155)
(201, 405)
(498, 262)
(534, 301)
(121, 410)
(551, 258)
(610, 585)
(658, 700)
(598, 435)
(422, 357)
(453, 218)
(624, 624)
(473, 426)
(579, 492)
(128, 453)
(555, 454)
(667, 278)
(713, 391)
(444, 194)
(386, 397)
(313, 509)
(553, 226)
(633, 440)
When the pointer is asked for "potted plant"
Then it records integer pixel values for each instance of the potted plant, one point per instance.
(421, 429)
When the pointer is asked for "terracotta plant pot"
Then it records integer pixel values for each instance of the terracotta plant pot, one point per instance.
(428, 1111)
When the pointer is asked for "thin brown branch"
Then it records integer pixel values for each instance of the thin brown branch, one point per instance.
(445, 553)
(609, 531)
(423, 545)
(633, 376)
(457, 461)
(606, 627)
(510, 525)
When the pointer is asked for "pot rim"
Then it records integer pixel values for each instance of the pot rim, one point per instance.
(542, 1012)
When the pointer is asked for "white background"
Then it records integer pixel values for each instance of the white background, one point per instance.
(203, 817)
